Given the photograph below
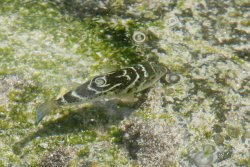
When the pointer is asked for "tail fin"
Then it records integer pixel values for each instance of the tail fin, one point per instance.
(44, 109)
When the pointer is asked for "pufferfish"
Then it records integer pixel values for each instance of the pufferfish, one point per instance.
(119, 83)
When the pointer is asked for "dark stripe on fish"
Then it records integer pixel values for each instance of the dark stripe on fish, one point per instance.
(126, 80)
(120, 82)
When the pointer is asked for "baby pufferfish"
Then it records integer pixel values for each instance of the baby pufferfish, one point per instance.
(117, 83)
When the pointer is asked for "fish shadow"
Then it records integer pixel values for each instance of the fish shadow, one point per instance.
(82, 119)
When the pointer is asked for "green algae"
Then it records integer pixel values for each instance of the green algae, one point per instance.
(83, 152)
(4, 124)
(217, 128)
(24, 94)
(233, 131)
(244, 162)
(81, 138)
(115, 134)
(43, 16)
(6, 54)
(48, 19)
(218, 139)
(62, 41)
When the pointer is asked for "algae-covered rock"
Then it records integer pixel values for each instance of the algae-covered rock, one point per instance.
(60, 157)
(197, 115)
(152, 143)
(218, 139)
(204, 157)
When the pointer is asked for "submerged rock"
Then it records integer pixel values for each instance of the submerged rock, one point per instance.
(60, 157)
(46, 44)
(152, 142)
(205, 158)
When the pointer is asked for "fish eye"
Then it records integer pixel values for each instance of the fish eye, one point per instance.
(100, 81)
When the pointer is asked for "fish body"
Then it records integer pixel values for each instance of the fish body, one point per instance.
(124, 81)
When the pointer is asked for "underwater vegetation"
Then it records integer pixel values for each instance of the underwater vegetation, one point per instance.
(202, 119)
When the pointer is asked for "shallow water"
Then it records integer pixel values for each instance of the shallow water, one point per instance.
(202, 120)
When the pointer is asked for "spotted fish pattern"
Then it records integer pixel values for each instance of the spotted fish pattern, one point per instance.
(120, 82)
